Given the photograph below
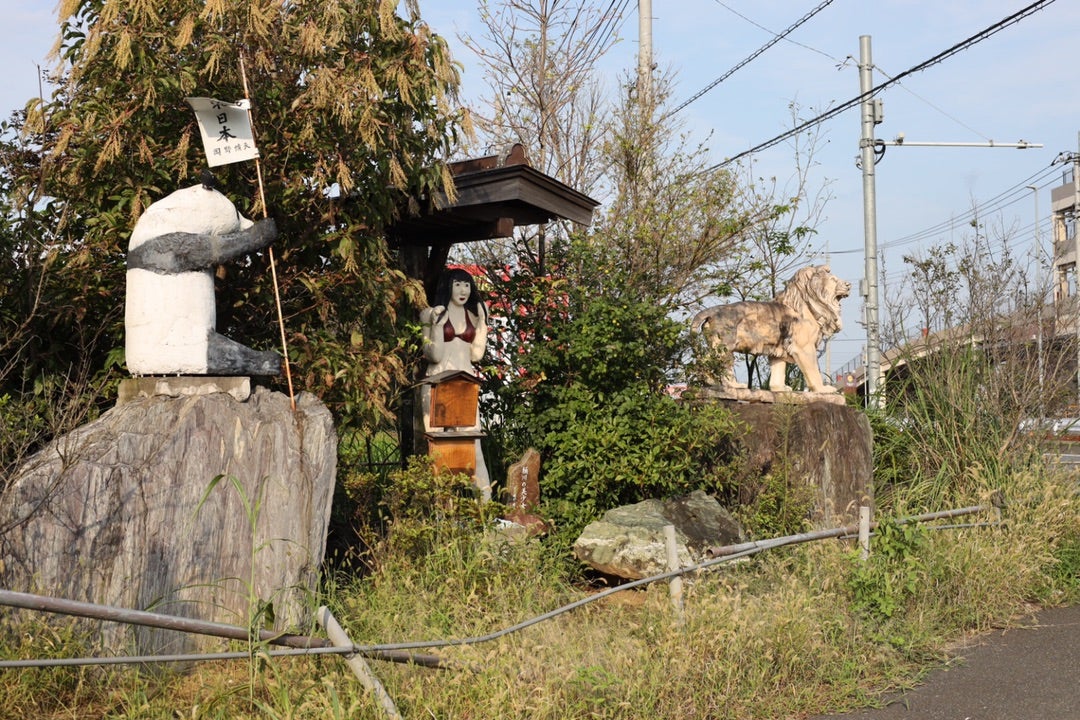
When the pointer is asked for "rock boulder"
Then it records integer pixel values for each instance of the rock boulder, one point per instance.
(125, 511)
(628, 542)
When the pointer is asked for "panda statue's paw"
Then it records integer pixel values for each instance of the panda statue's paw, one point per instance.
(228, 357)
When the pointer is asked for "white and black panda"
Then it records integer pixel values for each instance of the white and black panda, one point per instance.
(170, 317)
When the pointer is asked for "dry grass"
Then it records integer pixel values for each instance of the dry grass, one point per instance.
(778, 637)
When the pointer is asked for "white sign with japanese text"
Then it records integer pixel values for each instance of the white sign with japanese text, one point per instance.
(226, 130)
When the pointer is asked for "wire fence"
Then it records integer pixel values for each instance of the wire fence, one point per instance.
(266, 643)
(304, 645)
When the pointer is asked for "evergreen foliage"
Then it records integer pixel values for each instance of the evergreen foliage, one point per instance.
(580, 372)
(354, 110)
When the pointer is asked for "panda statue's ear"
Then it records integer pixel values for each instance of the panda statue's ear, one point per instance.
(208, 180)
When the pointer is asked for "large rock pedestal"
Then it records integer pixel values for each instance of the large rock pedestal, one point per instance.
(825, 446)
(121, 512)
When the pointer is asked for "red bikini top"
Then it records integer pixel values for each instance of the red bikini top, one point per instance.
(468, 334)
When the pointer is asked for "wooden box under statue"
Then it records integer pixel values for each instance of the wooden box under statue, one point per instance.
(455, 395)
(454, 451)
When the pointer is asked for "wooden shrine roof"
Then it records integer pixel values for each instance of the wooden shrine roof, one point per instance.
(494, 195)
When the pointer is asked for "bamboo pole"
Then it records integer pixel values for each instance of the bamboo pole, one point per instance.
(270, 250)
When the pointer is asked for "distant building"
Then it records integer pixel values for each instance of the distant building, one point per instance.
(1063, 208)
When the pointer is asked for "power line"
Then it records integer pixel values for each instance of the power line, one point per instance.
(1014, 194)
(935, 107)
(986, 207)
(609, 19)
(758, 25)
(615, 24)
(1018, 236)
(751, 57)
(854, 102)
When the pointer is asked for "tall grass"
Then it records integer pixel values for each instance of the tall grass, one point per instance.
(801, 630)
(781, 636)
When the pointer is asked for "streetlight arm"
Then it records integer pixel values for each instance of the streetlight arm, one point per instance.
(901, 140)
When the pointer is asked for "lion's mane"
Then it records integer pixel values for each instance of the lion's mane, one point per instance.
(812, 293)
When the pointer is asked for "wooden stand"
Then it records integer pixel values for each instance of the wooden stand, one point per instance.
(455, 397)
(454, 451)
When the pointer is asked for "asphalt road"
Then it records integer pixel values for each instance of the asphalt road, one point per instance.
(1030, 672)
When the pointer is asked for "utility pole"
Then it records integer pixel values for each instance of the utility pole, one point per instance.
(869, 150)
(645, 61)
(1076, 260)
(1041, 296)
(871, 116)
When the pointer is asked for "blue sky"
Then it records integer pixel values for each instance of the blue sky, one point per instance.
(1017, 84)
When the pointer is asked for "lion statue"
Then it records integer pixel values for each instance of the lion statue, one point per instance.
(789, 329)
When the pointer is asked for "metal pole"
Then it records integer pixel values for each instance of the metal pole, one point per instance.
(870, 289)
(845, 531)
(61, 606)
(150, 619)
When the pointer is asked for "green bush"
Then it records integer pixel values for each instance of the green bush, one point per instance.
(606, 451)
(951, 427)
(580, 373)
(416, 510)
(883, 583)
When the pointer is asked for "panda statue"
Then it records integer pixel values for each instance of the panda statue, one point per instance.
(170, 317)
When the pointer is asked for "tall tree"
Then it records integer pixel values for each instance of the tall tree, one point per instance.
(789, 208)
(673, 224)
(355, 110)
(539, 57)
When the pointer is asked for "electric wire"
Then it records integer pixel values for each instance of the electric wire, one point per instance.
(591, 44)
(614, 26)
(1007, 197)
(983, 208)
(719, 556)
(725, 554)
(750, 58)
(919, 97)
(735, 12)
(854, 102)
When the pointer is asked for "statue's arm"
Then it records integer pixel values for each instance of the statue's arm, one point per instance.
(479, 344)
(434, 344)
(182, 252)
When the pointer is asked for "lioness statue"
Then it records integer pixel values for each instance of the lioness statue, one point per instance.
(789, 329)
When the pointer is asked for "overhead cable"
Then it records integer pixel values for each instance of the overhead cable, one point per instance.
(1010, 196)
(856, 101)
(752, 56)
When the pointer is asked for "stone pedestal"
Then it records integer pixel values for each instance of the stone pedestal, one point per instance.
(812, 438)
(827, 447)
(199, 506)
(181, 386)
(768, 397)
